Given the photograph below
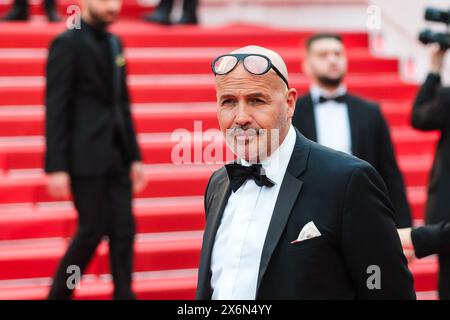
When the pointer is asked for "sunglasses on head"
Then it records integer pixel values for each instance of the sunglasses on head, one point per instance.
(257, 64)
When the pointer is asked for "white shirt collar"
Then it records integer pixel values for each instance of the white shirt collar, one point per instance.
(276, 164)
(317, 92)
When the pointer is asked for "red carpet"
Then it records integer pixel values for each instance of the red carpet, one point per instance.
(171, 88)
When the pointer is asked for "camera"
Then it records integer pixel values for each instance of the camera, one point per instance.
(428, 36)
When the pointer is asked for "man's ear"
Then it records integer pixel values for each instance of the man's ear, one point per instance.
(291, 99)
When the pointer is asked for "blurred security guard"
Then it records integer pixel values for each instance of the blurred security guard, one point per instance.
(332, 117)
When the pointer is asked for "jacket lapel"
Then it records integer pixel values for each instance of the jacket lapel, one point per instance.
(306, 120)
(354, 121)
(212, 225)
(289, 191)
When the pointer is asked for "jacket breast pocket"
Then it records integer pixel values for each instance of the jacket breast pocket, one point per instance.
(314, 242)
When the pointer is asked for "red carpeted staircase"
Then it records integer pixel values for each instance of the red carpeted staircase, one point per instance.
(171, 88)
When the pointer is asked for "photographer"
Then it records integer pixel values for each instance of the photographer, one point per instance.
(431, 112)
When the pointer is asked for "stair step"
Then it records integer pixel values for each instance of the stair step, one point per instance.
(59, 219)
(28, 152)
(166, 285)
(152, 252)
(35, 66)
(164, 181)
(142, 34)
(163, 93)
(156, 118)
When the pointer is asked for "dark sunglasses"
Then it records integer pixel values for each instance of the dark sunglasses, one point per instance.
(254, 63)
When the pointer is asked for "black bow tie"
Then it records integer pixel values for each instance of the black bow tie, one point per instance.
(338, 99)
(238, 174)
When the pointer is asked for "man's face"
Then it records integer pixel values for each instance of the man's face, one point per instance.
(103, 11)
(326, 61)
(248, 103)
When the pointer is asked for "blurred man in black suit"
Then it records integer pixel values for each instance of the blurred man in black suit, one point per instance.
(162, 12)
(331, 116)
(431, 111)
(20, 11)
(91, 143)
(291, 219)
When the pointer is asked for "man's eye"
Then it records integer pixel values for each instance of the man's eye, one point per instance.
(256, 101)
(227, 102)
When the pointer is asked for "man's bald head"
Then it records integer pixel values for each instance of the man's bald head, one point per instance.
(274, 57)
(250, 102)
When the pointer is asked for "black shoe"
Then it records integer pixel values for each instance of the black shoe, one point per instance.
(53, 16)
(15, 15)
(188, 19)
(161, 17)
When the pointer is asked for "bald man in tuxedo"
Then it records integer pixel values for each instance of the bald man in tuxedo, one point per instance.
(291, 219)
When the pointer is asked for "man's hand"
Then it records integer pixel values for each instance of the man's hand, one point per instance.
(408, 247)
(59, 185)
(437, 60)
(138, 176)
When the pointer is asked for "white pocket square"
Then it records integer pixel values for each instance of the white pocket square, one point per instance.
(309, 231)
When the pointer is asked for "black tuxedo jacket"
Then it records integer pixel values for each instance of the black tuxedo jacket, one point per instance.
(431, 111)
(346, 199)
(371, 142)
(81, 128)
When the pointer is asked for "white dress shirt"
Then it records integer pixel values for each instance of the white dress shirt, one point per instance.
(240, 238)
(332, 122)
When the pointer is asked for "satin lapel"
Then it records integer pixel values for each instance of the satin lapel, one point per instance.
(212, 225)
(354, 121)
(307, 122)
(289, 191)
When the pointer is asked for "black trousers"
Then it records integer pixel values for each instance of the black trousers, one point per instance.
(104, 208)
(444, 277)
(189, 6)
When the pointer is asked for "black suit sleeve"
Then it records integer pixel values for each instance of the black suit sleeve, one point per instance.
(370, 239)
(432, 104)
(58, 100)
(135, 151)
(389, 171)
(431, 239)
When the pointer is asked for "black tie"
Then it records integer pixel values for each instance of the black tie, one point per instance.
(238, 174)
(338, 99)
